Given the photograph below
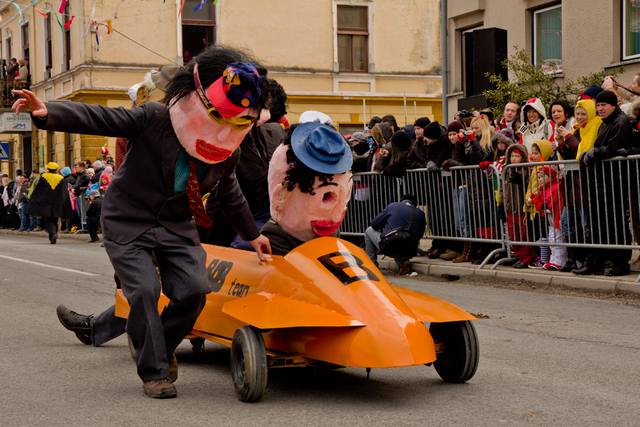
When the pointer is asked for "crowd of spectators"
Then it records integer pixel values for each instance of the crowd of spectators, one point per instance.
(87, 183)
(537, 203)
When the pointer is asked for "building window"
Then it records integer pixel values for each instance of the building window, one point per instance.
(9, 48)
(48, 49)
(51, 137)
(66, 49)
(353, 35)
(547, 38)
(630, 29)
(198, 29)
(25, 41)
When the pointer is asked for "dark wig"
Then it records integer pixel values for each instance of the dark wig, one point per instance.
(299, 173)
(211, 66)
(277, 101)
(568, 111)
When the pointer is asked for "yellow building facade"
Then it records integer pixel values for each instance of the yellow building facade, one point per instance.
(351, 59)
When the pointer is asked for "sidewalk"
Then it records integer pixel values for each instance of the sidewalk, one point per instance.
(602, 284)
(438, 267)
(80, 237)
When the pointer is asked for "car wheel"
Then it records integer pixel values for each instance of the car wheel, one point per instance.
(460, 354)
(248, 364)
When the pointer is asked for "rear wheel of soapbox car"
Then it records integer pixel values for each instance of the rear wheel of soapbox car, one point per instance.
(248, 364)
(458, 360)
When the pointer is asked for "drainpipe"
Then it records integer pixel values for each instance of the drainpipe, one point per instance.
(445, 64)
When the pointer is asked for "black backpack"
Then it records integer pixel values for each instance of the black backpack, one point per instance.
(398, 242)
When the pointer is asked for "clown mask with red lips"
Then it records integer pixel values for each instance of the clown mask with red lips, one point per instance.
(210, 124)
(320, 211)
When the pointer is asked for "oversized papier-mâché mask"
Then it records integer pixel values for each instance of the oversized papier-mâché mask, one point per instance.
(320, 210)
(211, 123)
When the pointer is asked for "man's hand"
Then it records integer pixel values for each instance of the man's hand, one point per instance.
(261, 245)
(431, 167)
(29, 101)
(587, 157)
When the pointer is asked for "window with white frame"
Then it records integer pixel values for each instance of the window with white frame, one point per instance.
(630, 29)
(547, 38)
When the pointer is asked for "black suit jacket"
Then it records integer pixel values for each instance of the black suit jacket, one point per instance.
(141, 193)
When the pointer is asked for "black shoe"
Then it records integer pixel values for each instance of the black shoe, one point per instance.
(569, 266)
(520, 265)
(53, 239)
(584, 271)
(78, 323)
(618, 271)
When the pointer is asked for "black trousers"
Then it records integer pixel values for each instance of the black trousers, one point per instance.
(183, 271)
(93, 224)
(608, 225)
(51, 224)
(106, 326)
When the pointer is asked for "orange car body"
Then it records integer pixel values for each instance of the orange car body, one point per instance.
(324, 301)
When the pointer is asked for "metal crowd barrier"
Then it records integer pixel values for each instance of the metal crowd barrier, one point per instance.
(597, 207)
(82, 205)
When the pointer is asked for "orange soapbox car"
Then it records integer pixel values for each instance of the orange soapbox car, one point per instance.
(325, 302)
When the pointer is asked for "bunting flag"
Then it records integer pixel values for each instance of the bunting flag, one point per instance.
(181, 6)
(95, 25)
(58, 19)
(44, 15)
(20, 11)
(115, 15)
(86, 29)
(198, 7)
(68, 24)
(109, 26)
(62, 6)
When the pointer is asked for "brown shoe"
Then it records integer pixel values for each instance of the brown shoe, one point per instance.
(173, 368)
(434, 254)
(160, 389)
(450, 255)
(465, 254)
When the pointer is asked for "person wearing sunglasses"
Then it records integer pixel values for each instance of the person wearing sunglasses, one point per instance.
(213, 103)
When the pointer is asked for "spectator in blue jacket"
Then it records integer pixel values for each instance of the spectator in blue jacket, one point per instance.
(393, 216)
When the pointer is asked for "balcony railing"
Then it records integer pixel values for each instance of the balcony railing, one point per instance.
(6, 87)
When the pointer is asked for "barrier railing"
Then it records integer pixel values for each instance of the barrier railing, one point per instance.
(594, 209)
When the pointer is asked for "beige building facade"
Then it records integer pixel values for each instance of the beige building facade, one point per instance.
(580, 36)
(351, 59)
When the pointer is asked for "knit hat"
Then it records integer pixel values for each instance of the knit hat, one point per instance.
(454, 126)
(591, 92)
(432, 130)
(551, 170)
(95, 193)
(52, 166)
(505, 135)
(97, 164)
(91, 170)
(65, 171)
(410, 130)
(608, 97)
(108, 170)
(402, 140)
(410, 197)
(374, 121)
(422, 122)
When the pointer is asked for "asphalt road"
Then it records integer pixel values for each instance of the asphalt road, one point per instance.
(548, 360)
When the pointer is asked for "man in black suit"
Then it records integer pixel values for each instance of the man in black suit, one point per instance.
(176, 154)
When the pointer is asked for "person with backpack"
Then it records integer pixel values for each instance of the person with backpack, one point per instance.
(403, 214)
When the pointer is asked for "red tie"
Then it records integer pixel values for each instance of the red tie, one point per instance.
(195, 199)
